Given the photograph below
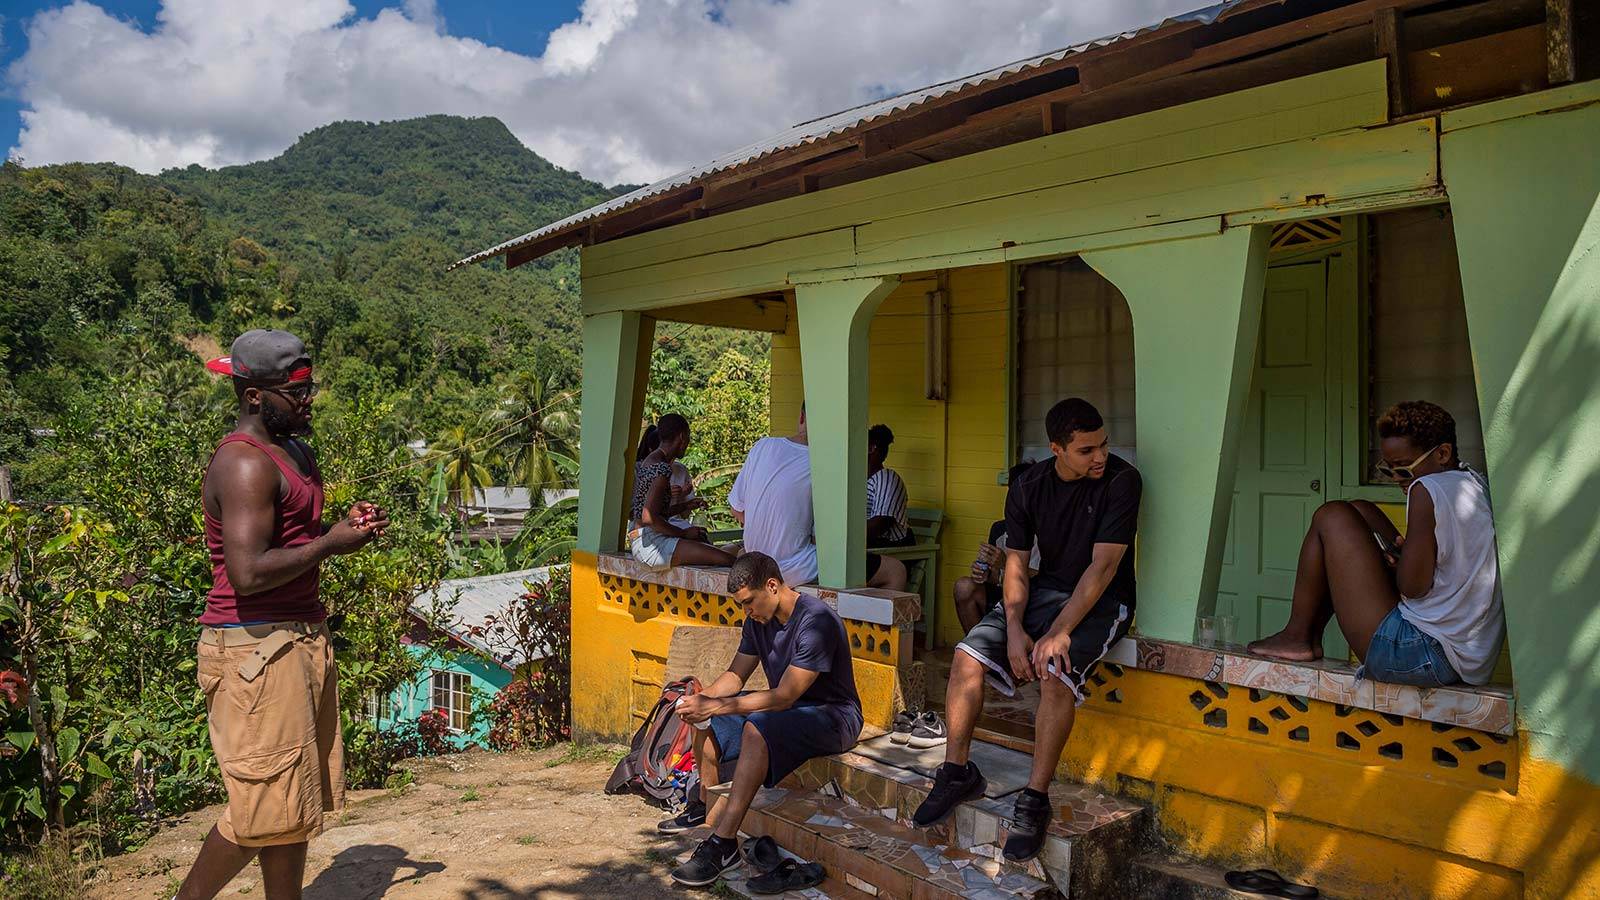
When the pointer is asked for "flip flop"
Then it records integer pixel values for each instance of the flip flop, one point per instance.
(1269, 883)
(790, 875)
(762, 854)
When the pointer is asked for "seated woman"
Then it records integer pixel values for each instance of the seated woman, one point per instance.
(654, 538)
(1422, 609)
(684, 501)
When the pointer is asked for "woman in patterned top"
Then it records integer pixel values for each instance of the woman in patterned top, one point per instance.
(654, 538)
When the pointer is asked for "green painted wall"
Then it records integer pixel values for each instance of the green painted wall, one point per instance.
(1196, 311)
(612, 345)
(1524, 191)
(412, 700)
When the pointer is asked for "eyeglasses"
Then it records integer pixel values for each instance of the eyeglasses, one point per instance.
(300, 393)
(1402, 473)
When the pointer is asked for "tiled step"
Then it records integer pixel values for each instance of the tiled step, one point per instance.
(1091, 840)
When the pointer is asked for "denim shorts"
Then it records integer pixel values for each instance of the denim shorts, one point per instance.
(793, 736)
(652, 548)
(1401, 654)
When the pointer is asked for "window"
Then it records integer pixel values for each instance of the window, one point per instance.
(1074, 339)
(452, 695)
(372, 707)
(1417, 345)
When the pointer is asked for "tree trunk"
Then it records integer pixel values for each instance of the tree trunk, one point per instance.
(43, 734)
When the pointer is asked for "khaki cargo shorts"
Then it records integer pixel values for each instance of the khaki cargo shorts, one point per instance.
(272, 703)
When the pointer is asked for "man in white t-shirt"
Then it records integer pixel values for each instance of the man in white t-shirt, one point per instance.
(771, 498)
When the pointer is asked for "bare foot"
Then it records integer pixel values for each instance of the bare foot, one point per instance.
(1280, 646)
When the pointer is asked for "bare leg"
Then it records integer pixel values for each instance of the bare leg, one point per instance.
(1052, 725)
(694, 553)
(963, 704)
(220, 859)
(749, 773)
(706, 760)
(891, 575)
(283, 870)
(1341, 573)
(971, 602)
(1375, 519)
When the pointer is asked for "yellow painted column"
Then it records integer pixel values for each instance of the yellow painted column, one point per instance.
(1196, 307)
(834, 321)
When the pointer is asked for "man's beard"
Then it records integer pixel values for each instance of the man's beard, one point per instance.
(281, 424)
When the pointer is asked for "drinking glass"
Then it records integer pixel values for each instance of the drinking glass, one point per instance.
(1205, 630)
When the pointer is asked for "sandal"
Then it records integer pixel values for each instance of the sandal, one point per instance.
(790, 875)
(1270, 883)
(762, 854)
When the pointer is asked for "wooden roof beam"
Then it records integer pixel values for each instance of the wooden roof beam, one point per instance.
(1561, 58)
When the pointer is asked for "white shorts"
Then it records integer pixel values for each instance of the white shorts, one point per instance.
(652, 548)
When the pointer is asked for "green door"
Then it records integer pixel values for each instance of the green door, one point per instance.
(1282, 456)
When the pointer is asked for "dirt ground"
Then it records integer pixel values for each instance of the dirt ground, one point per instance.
(477, 825)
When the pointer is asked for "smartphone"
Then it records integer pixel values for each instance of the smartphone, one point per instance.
(1384, 545)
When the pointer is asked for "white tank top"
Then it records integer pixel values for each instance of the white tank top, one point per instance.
(1462, 610)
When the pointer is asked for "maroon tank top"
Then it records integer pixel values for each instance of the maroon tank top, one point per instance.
(297, 520)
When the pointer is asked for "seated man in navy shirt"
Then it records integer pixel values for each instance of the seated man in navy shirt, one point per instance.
(811, 710)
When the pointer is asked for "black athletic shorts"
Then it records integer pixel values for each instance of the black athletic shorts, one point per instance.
(1106, 624)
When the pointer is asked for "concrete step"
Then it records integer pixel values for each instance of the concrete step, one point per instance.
(1173, 877)
(875, 790)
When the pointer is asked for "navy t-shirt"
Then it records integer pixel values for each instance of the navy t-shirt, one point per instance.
(812, 639)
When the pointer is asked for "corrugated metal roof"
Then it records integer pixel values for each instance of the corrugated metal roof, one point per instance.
(475, 600)
(827, 126)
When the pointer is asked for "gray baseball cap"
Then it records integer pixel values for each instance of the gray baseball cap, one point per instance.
(266, 355)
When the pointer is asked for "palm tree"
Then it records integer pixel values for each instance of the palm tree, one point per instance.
(535, 428)
(463, 464)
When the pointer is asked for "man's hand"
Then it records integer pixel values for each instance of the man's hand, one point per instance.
(365, 522)
(697, 708)
(1019, 649)
(990, 561)
(1053, 649)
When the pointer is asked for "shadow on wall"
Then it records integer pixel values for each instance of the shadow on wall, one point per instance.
(367, 871)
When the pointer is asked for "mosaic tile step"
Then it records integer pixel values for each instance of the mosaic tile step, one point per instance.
(874, 854)
(1006, 770)
(1176, 878)
(736, 880)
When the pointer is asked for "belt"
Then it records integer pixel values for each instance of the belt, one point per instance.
(268, 640)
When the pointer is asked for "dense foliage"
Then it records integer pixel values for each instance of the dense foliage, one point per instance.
(113, 285)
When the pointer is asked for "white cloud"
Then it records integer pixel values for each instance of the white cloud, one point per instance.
(628, 91)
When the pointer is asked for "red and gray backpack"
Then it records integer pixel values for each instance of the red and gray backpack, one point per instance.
(660, 764)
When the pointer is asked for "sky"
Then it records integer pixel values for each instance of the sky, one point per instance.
(618, 90)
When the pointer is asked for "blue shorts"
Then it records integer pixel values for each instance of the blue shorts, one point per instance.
(793, 736)
(1401, 654)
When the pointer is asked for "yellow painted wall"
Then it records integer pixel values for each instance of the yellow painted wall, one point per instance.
(952, 452)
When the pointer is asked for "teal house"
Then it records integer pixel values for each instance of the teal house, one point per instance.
(460, 672)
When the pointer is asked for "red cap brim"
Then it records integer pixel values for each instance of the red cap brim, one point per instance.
(222, 365)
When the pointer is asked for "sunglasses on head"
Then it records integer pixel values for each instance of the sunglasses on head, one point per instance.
(1402, 473)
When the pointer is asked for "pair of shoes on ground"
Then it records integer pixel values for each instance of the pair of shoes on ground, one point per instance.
(918, 730)
(954, 785)
(775, 873)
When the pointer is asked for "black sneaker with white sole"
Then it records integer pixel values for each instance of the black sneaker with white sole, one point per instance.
(711, 859)
(904, 721)
(953, 785)
(1029, 820)
(927, 731)
(692, 816)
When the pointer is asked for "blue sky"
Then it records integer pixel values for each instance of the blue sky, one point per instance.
(618, 90)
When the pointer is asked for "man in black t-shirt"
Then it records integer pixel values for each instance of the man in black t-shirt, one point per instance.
(1082, 506)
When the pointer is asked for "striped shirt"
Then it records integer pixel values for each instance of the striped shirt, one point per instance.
(886, 496)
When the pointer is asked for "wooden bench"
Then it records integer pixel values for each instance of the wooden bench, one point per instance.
(922, 565)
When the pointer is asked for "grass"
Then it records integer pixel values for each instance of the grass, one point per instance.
(585, 753)
(471, 796)
(721, 889)
(659, 857)
(397, 783)
(527, 840)
(48, 871)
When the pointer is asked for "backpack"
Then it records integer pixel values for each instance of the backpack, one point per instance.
(660, 763)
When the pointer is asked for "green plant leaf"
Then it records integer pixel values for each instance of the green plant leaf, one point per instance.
(97, 766)
(22, 740)
(67, 743)
(32, 804)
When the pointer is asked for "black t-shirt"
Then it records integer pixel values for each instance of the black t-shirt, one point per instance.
(1069, 517)
(813, 639)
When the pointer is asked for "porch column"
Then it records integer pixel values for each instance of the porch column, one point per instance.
(835, 317)
(616, 364)
(1525, 196)
(1196, 306)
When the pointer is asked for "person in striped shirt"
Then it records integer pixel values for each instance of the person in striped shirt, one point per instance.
(886, 513)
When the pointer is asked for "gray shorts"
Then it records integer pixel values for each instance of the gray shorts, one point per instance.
(1106, 624)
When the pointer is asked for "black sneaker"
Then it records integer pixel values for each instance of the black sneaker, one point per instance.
(692, 816)
(713, 857)
(952, 786)
(903, 723)
(927, 731)
(1029, 821)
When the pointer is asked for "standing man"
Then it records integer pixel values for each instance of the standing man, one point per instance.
(1082, 506)
(771, 498)
(758, 738)
(266, 666)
